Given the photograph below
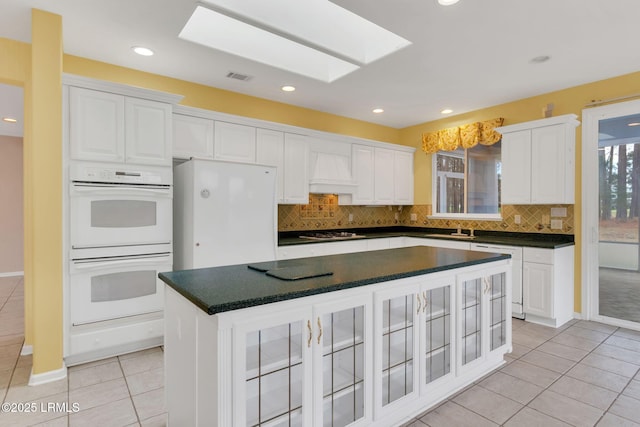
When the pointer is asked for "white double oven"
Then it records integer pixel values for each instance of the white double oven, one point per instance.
(120, 238)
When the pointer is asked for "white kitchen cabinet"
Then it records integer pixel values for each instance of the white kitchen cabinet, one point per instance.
(414, 329)
(289, 153)
(538, 161)
(383, 176)
(438, 243)
(319, 249)
(547, 285)
(109, 127)
(148, 133)
(192, 137)
(484, 317)
(304, 366)
(96, 125)
(234, 142)
(403, 178)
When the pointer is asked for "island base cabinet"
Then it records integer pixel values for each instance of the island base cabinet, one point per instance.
(374, 355)
(303, 366)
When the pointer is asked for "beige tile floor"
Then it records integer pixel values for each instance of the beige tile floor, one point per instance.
(583, 374)
(127, 390)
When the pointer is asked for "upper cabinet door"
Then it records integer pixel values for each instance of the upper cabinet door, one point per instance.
(550, 158)
(363, 173)
(516, 168)
(270, 151)
(235, 143)
(96, 125)
(148, 132)
(192, 137)
(384, 176)
(403, 178)
(296, 169)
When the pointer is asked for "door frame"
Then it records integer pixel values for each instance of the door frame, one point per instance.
(590, 202)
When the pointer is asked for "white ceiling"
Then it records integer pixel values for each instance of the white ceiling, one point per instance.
(465, 57)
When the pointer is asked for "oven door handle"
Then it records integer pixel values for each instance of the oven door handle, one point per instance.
(100, 263)
(108, 190)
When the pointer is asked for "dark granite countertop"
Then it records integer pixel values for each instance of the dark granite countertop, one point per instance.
(536, 240)
(220, 289)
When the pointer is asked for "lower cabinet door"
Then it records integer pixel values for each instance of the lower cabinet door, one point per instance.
(484, 316)
(437, 335)
(342, 362)
(272, 365)
(396, 315)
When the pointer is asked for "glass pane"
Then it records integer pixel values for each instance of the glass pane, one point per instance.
(497, 305)
(483, 178)
(471, 320)
(117, 213)
(397, 349)
(274, 376)
(124, 285)
(450, 188)
(619, 254)
(438, 334)
(343, 366)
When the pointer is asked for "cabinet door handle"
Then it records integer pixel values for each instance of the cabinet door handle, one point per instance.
(310, 333)
(426, 301)
(320, 330)
(419, 303)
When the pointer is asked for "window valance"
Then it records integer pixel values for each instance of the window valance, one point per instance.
(466, 136)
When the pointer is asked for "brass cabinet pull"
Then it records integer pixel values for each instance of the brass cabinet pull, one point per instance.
(320, 330)
(485, 281)
(419, 303)
(310, 333)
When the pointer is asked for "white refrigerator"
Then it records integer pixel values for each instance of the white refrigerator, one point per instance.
(223, 214)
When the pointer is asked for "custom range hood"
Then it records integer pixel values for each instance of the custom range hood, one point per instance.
(331, 174)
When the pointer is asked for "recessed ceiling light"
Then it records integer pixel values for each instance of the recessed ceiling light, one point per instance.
(446, 111)
(378, 110)
(144, 51)
(288, 88)
(634, 124)
(9, 120)
(540, 59)
(447, 2)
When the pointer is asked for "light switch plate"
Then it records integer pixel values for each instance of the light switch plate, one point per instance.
(556, 224)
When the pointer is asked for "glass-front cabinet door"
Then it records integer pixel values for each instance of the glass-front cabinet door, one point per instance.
(272, 370)
(342, 361)
(484, 315)
(414, 341)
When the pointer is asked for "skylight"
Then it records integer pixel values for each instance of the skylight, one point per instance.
(315, 38)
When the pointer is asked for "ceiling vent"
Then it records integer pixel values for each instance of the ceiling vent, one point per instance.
(238, 76)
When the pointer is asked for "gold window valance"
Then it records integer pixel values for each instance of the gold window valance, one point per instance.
(466, 136)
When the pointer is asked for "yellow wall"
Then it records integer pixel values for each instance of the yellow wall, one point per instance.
(572, 100)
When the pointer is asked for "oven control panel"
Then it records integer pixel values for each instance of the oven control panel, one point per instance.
(120, 175)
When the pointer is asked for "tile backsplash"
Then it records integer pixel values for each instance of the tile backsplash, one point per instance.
(324, 213)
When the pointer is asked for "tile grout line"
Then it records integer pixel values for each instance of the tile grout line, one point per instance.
(129, 390)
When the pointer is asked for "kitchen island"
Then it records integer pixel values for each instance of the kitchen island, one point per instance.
(368, 338)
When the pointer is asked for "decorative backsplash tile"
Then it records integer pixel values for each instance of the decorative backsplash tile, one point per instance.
(324, 213)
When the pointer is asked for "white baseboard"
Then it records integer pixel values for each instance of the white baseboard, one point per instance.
(12, 274)
(26, 350)
(49, 376)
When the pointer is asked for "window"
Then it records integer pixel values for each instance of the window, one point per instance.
(467, 182)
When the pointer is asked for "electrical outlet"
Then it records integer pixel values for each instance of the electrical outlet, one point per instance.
(556, 224)
(517, 219)
(350, 217)
(414, 217)
(559, 212)
(396, 216)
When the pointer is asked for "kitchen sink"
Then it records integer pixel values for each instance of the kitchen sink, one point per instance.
(452, 236)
